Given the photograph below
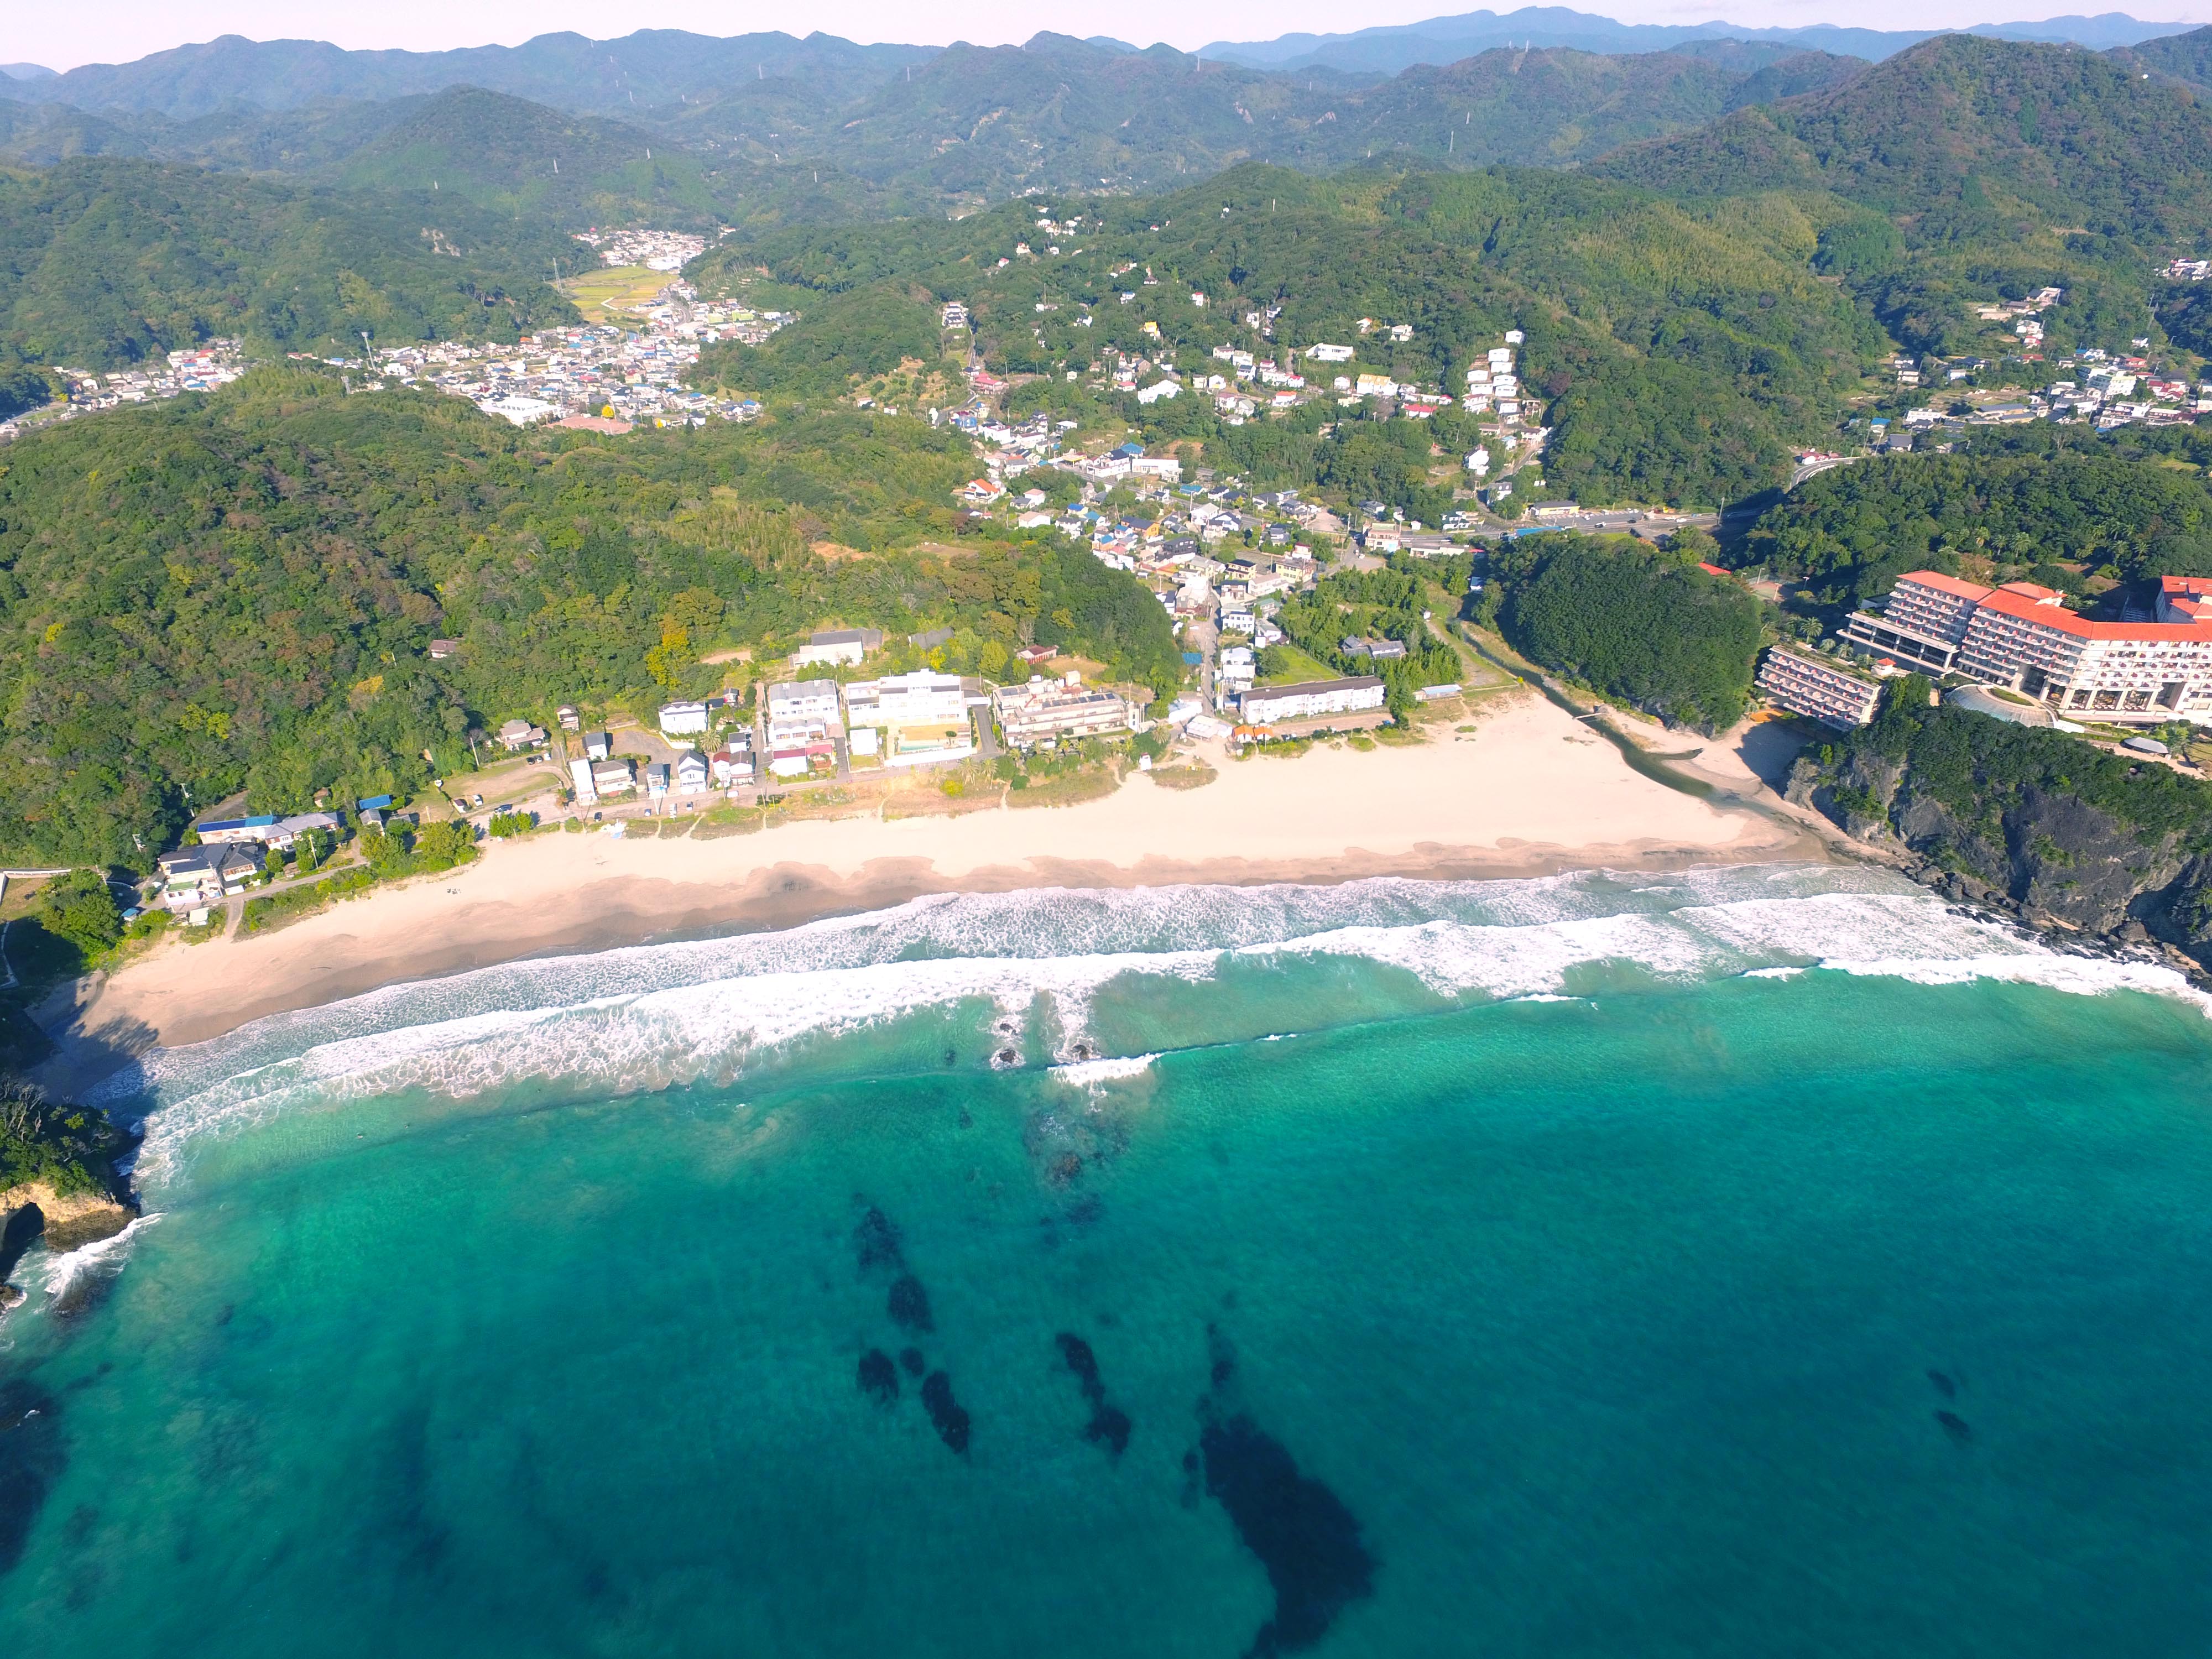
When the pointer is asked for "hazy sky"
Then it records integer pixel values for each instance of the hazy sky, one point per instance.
(116, 31)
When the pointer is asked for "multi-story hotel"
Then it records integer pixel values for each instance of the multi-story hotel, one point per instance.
(2021, 635)
(1834, 693)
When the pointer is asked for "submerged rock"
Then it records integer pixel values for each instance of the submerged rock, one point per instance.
(878, 1377)
(876, 1242)
(1109, 1426)
(1304, 1536)
(945, 1412)
(908, 1305)
(32, 1458)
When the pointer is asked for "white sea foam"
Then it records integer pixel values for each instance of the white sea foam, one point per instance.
(642, 1018)
(1084, 1073)
(65, 1270)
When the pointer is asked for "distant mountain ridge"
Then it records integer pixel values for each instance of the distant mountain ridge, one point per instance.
(1390, 48)
(655, 68)
(967, 126)
(642, 70)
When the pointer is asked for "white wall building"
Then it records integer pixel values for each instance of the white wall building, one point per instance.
(683, 719)
(1312, 700)
(921, 698)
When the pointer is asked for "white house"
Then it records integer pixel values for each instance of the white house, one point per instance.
(791, 702)
(1323, 353)
(691, 773)
(683, 720)
(834, 645)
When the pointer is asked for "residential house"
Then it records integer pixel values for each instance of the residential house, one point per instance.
(692, 773)
(515, 736)
(598, 745)
(612, 777)
(839, 645)
(286, 832)
(579, 776)
(683, 720)
(570, 720)
(656, 780)
(240, 831)
(733, 764)
(194, 878)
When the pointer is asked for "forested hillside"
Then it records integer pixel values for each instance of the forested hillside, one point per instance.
(1848, 535)
(1643, 625)
(110, 262)
(241, 591)
(1994, 166)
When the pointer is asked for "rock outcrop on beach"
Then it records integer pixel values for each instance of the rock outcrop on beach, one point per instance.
(58, 1179)
(2037, 823)
(66, 1220)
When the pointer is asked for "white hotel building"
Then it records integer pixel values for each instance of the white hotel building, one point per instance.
(2021, 635)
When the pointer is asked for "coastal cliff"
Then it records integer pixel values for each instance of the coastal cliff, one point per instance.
(57, 1178)
(2035, 822)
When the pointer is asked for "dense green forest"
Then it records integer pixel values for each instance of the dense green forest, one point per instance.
(71, 1149)
(239, 591)
(105, 263)
(848, 338)
(1847, 535)
(1643, 625)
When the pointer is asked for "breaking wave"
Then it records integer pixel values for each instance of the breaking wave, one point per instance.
(63, 1272)
(645, 1017)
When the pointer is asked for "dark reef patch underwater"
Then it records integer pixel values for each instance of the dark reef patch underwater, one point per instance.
(1687, 1312)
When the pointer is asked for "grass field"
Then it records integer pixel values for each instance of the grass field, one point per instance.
(612, 290)
(1298, 669)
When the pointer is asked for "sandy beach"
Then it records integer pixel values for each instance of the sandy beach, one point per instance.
(1530, 791)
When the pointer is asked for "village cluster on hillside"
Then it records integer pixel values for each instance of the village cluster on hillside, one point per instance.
(201, 368)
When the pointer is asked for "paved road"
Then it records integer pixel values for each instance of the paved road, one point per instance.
(1814, 469)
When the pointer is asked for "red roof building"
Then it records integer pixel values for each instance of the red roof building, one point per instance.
(2021, 635)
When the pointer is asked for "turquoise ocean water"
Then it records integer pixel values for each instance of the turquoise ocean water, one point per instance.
(1760, 1262)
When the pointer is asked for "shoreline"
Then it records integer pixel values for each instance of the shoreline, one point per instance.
(1528, 793)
